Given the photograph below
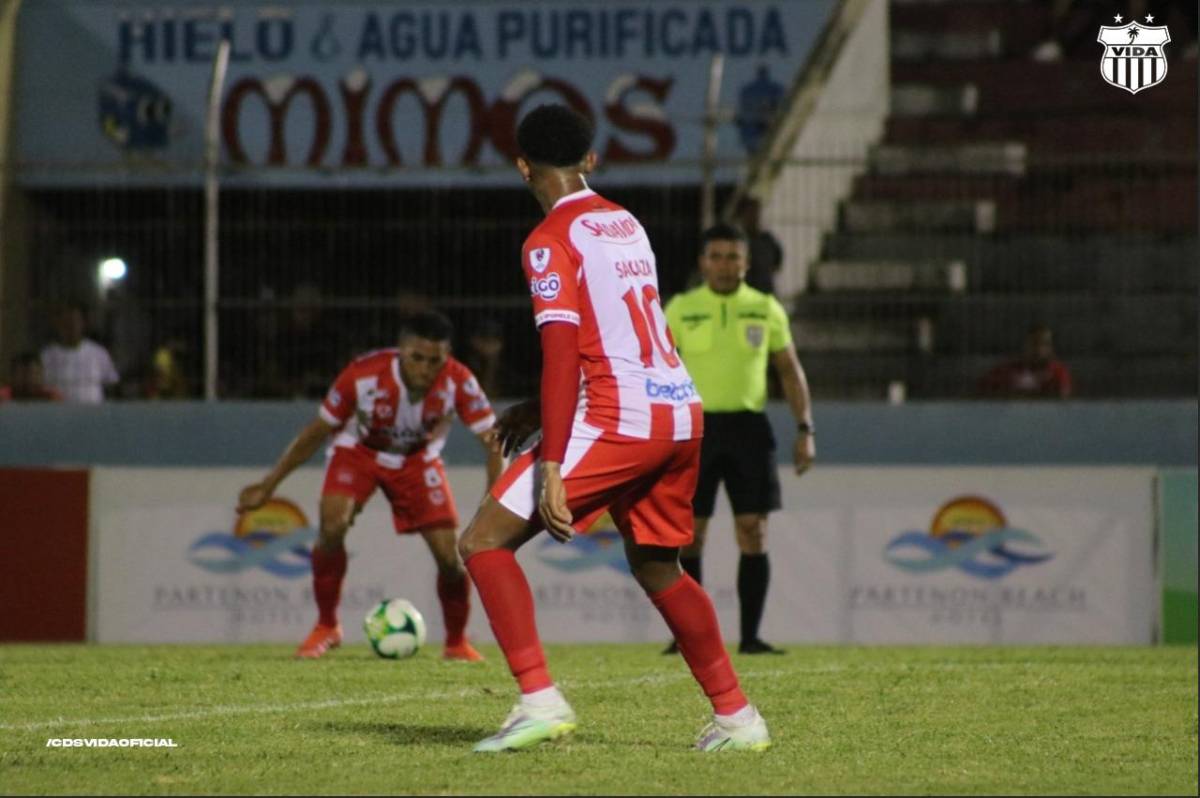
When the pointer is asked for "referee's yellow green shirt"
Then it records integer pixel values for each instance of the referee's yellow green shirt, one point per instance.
(724, 340)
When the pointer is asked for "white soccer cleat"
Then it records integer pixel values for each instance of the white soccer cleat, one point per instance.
(721, 735)
(527, 726)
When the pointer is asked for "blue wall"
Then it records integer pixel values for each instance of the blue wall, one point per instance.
(934, 433)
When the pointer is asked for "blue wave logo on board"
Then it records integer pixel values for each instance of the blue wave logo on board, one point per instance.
(968, 533)
(602, 548)
(276, 538)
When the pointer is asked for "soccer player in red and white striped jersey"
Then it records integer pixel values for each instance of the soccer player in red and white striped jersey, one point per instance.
(389, 412)
(621, 425)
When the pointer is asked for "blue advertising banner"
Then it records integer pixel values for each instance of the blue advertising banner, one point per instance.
(374, 91)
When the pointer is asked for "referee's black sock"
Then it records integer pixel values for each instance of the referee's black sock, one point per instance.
(691, 567)
(754, 574)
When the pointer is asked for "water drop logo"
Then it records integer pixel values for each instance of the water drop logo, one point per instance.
(600, 547)
(971, 534)
(275, 537)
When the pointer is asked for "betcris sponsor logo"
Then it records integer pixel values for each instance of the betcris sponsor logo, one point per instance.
(673, 391)
(546, 287)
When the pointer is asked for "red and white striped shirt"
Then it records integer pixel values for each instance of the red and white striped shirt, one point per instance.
(590, 263)
(371, 407)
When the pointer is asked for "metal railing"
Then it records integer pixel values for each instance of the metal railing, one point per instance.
(924, 277)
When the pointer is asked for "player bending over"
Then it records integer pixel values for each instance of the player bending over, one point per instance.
(628, 442)
(391, 410)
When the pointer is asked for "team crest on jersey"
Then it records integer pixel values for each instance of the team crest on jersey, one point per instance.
(539, 259)
(1134, 57)
(754, 335)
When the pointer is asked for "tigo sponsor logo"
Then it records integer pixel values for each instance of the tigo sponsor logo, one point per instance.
(546, 287)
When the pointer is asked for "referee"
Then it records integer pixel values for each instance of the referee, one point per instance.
(726, 332)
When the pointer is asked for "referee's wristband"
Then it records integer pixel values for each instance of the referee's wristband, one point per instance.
(805, 428)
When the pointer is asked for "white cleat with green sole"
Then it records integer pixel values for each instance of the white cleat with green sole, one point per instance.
(720, 735)
(525, 727)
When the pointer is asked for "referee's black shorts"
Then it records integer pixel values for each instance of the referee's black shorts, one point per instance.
(739, 449)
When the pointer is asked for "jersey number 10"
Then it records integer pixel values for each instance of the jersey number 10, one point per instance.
(645, 326)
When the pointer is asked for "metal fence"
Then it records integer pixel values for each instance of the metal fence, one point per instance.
(922, 280)
(309, 278)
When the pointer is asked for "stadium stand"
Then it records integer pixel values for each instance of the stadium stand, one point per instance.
(1007, 192)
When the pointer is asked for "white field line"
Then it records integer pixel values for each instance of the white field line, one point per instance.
(335, 703)
(225, 710)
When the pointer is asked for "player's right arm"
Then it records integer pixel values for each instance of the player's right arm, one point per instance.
(336, 410)
(298, 452)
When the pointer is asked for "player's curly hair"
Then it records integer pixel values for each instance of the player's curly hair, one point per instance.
(429, 324)
(555, 135)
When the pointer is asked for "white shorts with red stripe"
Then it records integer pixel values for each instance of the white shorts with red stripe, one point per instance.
(646, 485)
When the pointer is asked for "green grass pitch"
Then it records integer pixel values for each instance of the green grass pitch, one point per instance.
(247, 719)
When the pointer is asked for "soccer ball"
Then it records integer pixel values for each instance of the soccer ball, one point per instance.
(395, 628)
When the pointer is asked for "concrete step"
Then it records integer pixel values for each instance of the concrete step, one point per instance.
(880, 216)
(1158, 325)
(1105, 264)
(1049, 202)
(1153, 325)
(868, 375)
(1020, 26)
(1100, 134)
(1007, 158)
(924, 45)
(1093, 377)
(1027, 88)
(916, 99)
(995, 324)
(920, 5)
(957, 16)
(825, 335)
(832, 276)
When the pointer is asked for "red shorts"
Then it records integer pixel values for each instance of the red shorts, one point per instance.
(647, 485)
(419, 492)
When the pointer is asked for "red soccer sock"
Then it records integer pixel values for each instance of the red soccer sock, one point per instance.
(505, 595)
(328, 569)
(689, 613)
(455, 595)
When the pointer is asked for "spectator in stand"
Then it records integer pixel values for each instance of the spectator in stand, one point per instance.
(77, 367)
(482, 355)
(25, 382)
(766, 253)
(303, 349)
(1036, 374)
(166, 378)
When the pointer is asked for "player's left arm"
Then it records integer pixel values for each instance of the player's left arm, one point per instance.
(552, 270)
(795, 386)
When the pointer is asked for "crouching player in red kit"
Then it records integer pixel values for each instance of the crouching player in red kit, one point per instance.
(621, 426)
(391, 411)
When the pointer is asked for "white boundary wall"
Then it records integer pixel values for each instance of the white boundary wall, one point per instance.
(831, 579)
